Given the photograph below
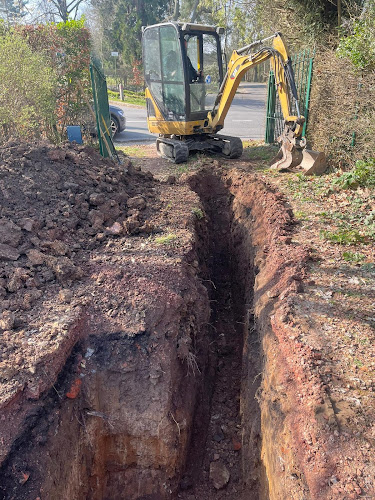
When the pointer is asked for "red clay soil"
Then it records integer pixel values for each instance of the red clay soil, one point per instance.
(129, 307)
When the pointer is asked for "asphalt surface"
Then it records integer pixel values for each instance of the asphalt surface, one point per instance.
(246, 117)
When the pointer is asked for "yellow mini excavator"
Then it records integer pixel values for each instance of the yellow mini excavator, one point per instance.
(188, 95)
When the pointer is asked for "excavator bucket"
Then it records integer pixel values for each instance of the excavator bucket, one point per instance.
(313, 162)
(293, 154)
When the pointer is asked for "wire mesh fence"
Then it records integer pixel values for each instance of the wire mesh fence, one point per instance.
(302, 65)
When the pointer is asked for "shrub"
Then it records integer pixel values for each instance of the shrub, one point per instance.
(359, 46)
(343, 237)
(66, 48)
(27, 89)
(363, 174)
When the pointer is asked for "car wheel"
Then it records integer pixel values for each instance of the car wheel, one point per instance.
(114, 125)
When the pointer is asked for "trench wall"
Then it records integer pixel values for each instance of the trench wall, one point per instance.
(129, 426)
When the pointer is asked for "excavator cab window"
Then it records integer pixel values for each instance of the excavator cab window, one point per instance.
(203, 70)
(172, 72)
(183, 70)
(164, 70)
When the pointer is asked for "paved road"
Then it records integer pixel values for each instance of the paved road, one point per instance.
(245, 119)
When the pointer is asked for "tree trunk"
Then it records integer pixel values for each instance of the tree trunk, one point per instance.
(194, 12)
(176, 12)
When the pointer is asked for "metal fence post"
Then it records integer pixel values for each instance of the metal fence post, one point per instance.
(271, 104)
(307, 98)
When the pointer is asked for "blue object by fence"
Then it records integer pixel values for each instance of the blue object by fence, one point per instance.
(74, 133)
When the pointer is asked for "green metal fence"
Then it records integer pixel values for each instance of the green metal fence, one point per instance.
(101, 106)
(303, 67)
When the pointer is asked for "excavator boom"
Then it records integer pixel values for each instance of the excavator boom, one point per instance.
(293, 152)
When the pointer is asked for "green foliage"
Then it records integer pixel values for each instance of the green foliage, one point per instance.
(238, 20)
(353, 257)
(197, 212)
(363, 174)
(122, 21)
(359, 44)
(304, 22)
(165, 240)
(27, 89)
(301, 215)
(66, 48)
(343, 237)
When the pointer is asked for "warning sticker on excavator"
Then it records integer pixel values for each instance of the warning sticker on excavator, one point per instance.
(233, 75)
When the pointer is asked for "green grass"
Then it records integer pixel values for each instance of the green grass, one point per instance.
(129, 97)
(260, 152)
(133, 151)
(197, 212)
(165, 240)
(301, 215)
(353, 257)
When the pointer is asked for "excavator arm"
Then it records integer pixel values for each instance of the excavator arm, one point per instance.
(293, 147)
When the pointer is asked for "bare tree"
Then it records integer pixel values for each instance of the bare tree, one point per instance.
(54, 10)
(65, 8)
(194, 12)
(176, 10)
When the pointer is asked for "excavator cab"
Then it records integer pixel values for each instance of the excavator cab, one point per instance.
(183, 72)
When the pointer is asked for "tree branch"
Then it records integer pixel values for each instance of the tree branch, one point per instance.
(194, 11)
(75, 4)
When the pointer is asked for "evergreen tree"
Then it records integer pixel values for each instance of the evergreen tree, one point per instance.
(122, 22)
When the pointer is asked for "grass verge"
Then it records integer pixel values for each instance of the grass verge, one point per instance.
(133, 98)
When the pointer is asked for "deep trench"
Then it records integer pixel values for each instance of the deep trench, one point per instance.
(225, 427)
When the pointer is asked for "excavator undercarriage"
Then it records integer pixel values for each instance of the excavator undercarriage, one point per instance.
(177, 149)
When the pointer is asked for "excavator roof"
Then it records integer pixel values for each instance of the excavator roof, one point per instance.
(191, 27)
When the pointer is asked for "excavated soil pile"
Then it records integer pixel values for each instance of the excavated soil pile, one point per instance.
(150, 340)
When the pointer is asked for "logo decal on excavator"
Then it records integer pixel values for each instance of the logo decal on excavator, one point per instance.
(233, 75)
